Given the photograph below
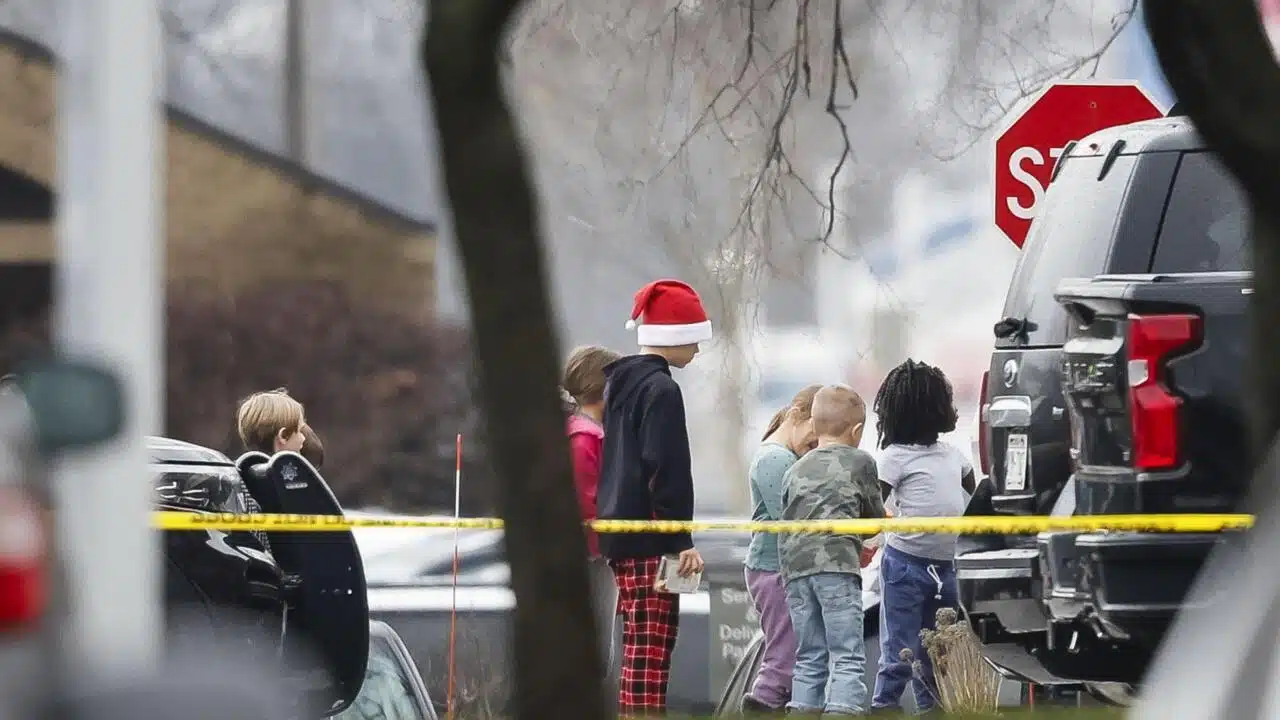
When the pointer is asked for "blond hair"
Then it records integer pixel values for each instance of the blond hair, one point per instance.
(836, 410)
(802, 404)
(584, 373)
(263, 415)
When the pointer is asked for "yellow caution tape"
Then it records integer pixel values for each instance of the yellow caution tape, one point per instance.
(1004, 525)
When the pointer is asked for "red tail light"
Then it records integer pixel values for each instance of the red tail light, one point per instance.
(1153, 408)
(984, 430)
(23, 585)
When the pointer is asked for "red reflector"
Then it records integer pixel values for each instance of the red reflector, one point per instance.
(1153, 409)
(984, 431)
(23, 582)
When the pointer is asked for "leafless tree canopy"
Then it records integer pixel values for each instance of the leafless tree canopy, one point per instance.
(720, 128)
(721, 141)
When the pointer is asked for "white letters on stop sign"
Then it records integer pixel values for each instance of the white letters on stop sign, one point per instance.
(1026, 153)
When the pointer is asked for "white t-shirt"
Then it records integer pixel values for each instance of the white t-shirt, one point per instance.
(926, 483)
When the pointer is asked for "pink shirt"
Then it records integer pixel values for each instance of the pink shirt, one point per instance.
(586, 440)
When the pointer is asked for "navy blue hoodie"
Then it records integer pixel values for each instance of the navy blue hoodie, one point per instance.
(645, 470)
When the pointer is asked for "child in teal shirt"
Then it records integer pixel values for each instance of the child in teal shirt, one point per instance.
(789, 436)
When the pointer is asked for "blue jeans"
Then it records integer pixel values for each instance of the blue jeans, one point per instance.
(913, 590)
(826, 612)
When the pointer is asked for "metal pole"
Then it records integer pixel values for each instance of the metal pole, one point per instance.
(108, 305)
(296, 80)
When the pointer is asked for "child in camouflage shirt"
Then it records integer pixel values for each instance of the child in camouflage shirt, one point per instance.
(822, 571)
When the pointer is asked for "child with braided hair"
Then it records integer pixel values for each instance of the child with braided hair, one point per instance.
(920, 476)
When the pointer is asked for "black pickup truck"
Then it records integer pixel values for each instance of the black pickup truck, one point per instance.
(1154, 382)
(1115, 387)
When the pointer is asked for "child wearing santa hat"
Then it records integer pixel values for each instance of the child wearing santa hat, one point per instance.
(646, 474)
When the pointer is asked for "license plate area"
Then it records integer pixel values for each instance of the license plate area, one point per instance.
(1015, 463)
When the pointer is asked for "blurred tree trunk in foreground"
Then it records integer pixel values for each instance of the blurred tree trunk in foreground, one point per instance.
(1224, 73)
(557, 659)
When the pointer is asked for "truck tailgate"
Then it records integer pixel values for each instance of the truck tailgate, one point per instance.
(1154, 384)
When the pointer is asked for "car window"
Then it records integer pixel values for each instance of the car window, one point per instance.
(205, 489)
(1072, 237)
(387, 693)
(431, 557)
(1206, 226)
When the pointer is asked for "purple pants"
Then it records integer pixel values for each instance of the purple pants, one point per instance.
(772, 685)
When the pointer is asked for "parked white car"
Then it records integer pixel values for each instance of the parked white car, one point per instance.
(409, 576)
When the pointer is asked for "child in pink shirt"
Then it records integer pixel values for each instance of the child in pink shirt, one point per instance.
(583, 385)
(583, 388)
(586, 438)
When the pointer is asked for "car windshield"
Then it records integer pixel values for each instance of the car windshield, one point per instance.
(387, 693)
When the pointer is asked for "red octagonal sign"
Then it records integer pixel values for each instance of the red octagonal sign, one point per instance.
(1029, 146)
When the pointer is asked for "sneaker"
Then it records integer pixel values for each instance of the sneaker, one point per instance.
(753, 706)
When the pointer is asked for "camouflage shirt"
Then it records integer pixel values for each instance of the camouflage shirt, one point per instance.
(833, 482)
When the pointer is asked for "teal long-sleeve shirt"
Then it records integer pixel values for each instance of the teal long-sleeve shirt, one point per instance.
(768, 468)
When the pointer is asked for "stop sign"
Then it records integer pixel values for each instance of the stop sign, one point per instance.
(1028, 147)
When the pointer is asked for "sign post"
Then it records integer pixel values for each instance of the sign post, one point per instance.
(108, 306)
(1032, 142)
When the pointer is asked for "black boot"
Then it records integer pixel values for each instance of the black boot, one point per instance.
(752, 706)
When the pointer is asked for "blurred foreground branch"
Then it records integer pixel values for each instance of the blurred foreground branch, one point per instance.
(1222, 69)
(557, 660)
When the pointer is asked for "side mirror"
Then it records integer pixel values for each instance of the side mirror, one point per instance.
(72, 404)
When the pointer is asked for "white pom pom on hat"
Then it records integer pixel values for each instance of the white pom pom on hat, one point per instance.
(630, 325)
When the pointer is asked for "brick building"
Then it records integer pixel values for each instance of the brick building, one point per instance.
(235, 216)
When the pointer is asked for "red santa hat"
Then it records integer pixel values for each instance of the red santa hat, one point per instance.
(670, 313)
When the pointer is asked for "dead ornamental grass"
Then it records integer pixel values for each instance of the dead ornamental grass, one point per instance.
(965, 682)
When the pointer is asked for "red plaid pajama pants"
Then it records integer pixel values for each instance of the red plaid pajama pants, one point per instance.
(650, 620)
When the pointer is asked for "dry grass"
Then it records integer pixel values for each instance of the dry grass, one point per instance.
(480, 688)
(965, 683)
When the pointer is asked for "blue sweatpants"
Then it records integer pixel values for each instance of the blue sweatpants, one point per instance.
(913, 589)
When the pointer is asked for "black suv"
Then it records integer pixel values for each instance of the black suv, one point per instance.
(1132, 200)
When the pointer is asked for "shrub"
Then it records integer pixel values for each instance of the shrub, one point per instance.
(386, 393)
(965, 682)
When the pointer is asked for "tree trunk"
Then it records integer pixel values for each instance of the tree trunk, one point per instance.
(731, 413)
(1220, 65)
(557, 659)
(1221, 68)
